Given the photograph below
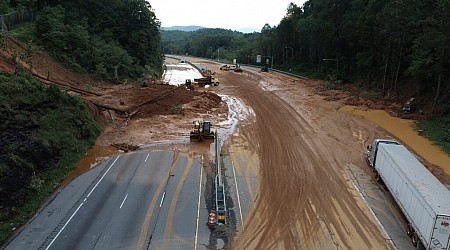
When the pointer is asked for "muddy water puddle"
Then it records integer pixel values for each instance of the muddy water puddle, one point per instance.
(406, 132)
(94, 156)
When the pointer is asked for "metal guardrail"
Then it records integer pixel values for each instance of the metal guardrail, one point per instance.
(276, 70)
(246, 65)
(221, 204)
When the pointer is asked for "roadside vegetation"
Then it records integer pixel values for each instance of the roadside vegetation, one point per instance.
(438, 130)
(43, 134)
(113, 40)
(45, 131)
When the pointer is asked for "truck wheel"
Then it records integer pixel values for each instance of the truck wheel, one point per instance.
(415, 239)
(409, 230)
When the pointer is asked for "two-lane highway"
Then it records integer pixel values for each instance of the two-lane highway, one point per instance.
(143, 200)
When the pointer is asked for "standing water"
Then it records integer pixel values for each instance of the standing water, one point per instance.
(93, 157)
(405, 131)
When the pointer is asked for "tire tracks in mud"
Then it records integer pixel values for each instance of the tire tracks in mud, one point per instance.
(304, 199)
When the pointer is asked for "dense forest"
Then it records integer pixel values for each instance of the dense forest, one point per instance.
(112, 39)
(379, 44)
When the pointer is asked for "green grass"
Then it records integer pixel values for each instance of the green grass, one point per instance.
(438, 130)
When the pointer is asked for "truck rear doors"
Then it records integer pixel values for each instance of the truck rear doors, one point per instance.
(440, 239)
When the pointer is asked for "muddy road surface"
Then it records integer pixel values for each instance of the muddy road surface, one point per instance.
(305, 198)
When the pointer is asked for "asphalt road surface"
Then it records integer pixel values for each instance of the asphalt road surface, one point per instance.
(142, 200)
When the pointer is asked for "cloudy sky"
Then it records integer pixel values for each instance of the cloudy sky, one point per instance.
(239, 15)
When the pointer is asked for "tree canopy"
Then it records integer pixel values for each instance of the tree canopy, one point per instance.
(112, 39)
(375, 42)
(378, 42)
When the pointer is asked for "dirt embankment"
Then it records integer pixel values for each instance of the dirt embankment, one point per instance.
(129, 113)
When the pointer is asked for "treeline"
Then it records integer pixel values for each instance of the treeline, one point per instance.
(210, 43)
(113, 39)
(377, 43)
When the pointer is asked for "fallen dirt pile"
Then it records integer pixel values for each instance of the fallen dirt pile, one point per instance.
(129, 113)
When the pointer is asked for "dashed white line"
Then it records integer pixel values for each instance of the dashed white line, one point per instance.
(146, 158)
(162, 199)
(198, 205)
(124, 199)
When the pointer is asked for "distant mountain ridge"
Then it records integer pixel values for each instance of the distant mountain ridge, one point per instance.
(195, 28)
(183, 28)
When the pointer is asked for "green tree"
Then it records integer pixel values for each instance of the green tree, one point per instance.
(430, 59)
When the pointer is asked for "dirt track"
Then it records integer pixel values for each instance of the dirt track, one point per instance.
(305, 200)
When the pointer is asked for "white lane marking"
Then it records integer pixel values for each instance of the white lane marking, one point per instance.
(146, 158)
(76, 211)
(238, 197)
(51, 243)
(124, 201)
(198, 205)
(162, 199)
(102, 177)
(387, 237)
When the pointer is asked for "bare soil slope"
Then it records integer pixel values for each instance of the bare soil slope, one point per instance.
(129, 113)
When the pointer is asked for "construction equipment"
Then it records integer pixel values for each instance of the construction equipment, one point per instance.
(225, 67)
(238, 68)
(201, 130)
(409, 106)
(207, 80)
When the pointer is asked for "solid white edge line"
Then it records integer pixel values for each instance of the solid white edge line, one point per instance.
(146, 158)
(51, 243)
(198, 206)
(76, 211)
(102, 177)
(388, 238)
(237, 194)
(123, 201)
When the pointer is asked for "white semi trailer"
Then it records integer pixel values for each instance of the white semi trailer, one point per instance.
(423, 199)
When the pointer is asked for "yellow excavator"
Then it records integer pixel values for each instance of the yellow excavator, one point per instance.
(201, 130)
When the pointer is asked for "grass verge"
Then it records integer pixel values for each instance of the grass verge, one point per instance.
(438, 130)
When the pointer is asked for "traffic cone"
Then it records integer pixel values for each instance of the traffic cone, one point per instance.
(212, 220)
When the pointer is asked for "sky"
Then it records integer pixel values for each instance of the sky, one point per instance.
(240, 15)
